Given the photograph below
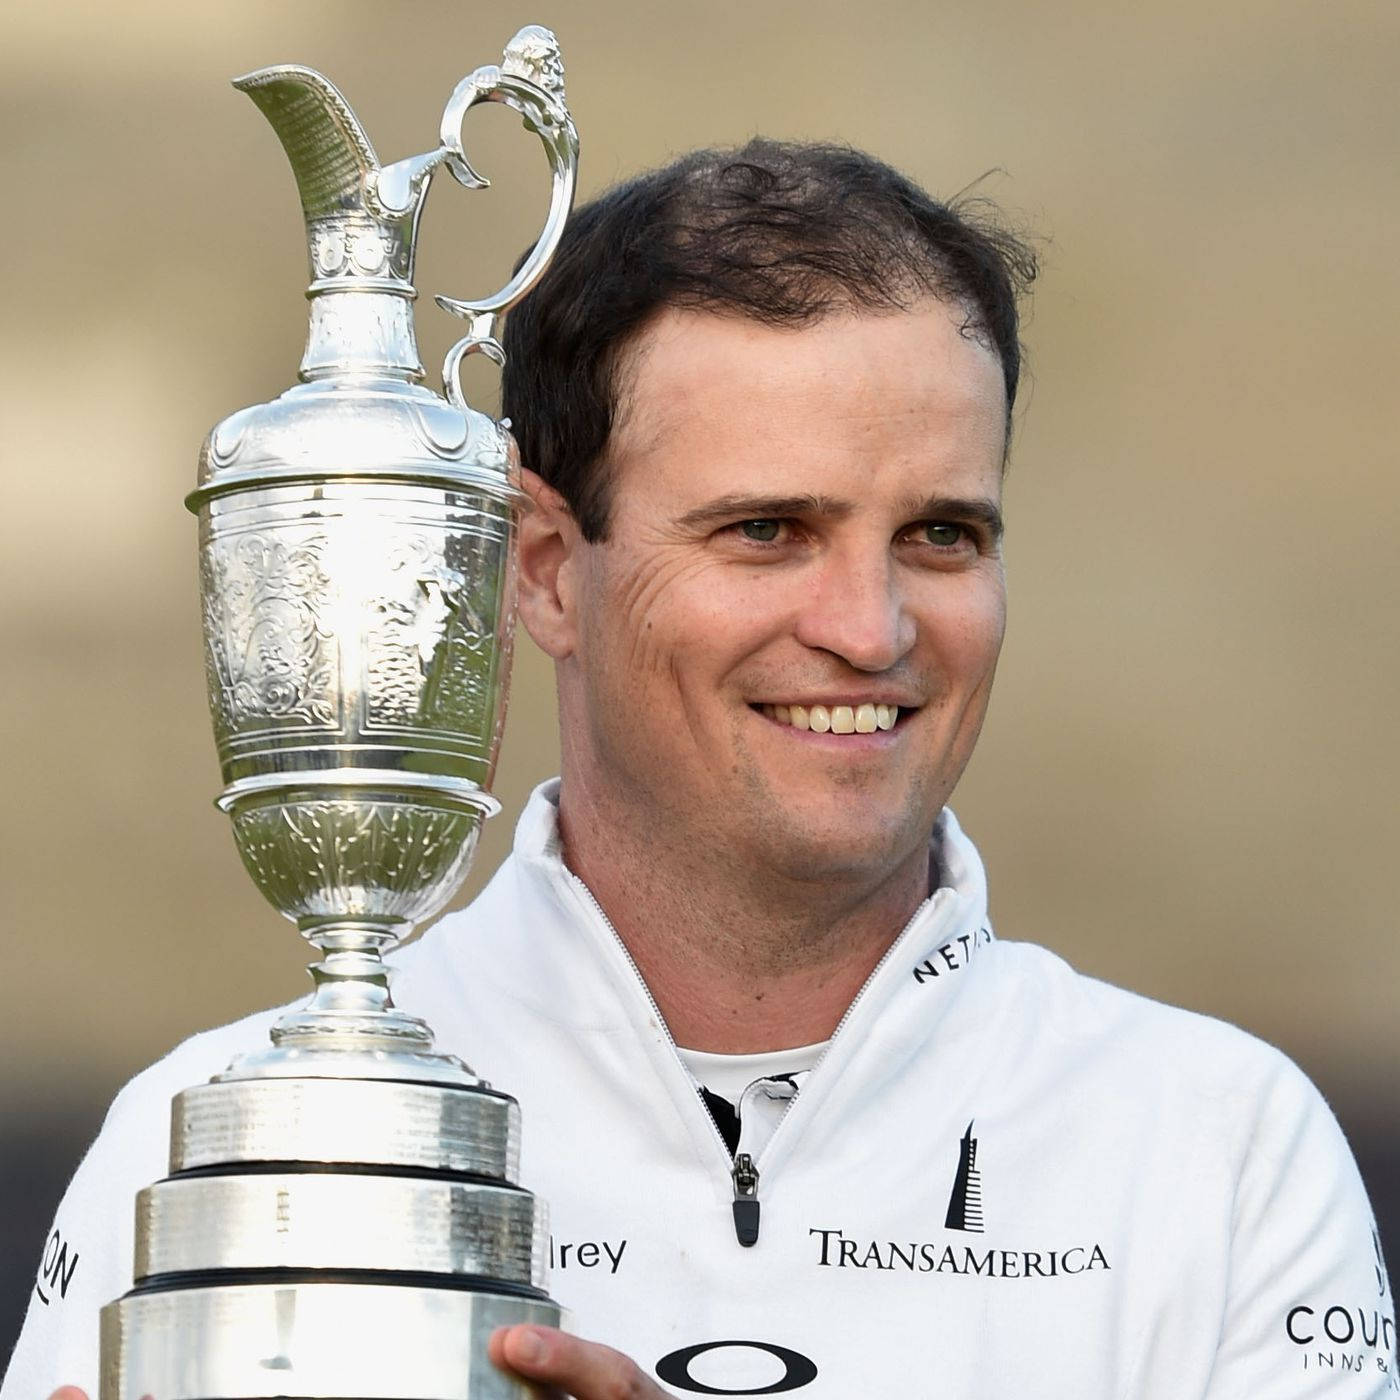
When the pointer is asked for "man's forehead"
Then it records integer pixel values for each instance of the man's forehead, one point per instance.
(696, 375)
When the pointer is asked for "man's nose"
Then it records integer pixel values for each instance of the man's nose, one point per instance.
(857, 610)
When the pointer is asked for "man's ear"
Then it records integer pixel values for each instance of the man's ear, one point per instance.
(550, 550)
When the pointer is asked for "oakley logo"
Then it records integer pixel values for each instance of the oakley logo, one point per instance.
(797, 1369)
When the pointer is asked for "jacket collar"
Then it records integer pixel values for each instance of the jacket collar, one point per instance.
(940, 940)
(536, 937)
(952, 856)
(537, 837)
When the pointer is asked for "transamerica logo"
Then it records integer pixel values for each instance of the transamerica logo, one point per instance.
(837, 1250)
(965, 1203)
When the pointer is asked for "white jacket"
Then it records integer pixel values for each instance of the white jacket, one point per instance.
(1002, 1180)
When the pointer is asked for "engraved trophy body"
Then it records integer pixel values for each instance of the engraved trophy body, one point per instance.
(356, 569)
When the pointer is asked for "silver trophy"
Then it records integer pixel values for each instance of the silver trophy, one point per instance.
(341, 1217)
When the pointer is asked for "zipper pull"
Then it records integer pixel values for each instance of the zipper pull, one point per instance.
(745, 1199)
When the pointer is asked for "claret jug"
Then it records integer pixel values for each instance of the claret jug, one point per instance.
(356, 534)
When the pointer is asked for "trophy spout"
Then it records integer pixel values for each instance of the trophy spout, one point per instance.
(355, 242)
(330, 153)
(361, 217)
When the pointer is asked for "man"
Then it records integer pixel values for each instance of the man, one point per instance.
(804, 1124)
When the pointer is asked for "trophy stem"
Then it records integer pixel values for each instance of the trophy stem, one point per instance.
(351, 1028)
(352, 997)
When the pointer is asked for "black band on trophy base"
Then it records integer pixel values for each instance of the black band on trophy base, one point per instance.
(297, 1168)
(287, 1278)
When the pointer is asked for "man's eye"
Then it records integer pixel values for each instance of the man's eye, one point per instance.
(943, 534)
(761, 531)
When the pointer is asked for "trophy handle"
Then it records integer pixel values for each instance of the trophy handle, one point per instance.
(480, 339)
(530, 78)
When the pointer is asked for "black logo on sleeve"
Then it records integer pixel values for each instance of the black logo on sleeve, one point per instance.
(55, 1269)
(798, 1370)
(1343, 1337)
(1343, 1334)
(965, 1203)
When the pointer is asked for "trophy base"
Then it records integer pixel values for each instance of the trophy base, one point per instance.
(374, 1122)
(313, 1340)
(352, 1058)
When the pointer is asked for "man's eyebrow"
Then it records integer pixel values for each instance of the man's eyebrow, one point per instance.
(738, 506)
(969, 510)
(964, 510)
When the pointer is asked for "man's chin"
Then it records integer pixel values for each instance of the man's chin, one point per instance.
(846, 848)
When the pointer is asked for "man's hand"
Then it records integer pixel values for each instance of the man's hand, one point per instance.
(585, 1370)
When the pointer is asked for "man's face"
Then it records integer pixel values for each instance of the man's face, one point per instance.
(804, 536)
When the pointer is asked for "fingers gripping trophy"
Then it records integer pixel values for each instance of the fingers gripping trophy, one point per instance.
(346, 1183)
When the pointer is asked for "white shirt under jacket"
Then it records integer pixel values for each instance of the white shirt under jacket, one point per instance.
(1002, 1180)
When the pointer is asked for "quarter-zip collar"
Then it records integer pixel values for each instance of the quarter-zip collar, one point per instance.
(538, 935)
(538, 938)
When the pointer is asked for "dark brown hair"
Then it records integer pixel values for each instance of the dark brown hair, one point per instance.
(782, 233)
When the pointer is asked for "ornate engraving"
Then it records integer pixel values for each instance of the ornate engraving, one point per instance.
(533, 54)
(460, 692)
(404, 627)
(505, 650)
(352, 245)
(355, 857)
(327, 249)
(268, 655)
(369, 251)
(432, 644)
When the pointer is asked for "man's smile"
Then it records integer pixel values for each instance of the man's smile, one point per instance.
(855, 717)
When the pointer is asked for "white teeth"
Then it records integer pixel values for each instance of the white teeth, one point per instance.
(834, 719)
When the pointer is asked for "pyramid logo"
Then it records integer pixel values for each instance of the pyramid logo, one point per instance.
(965, 1203)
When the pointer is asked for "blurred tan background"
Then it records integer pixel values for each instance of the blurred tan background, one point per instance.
(1188, 781)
